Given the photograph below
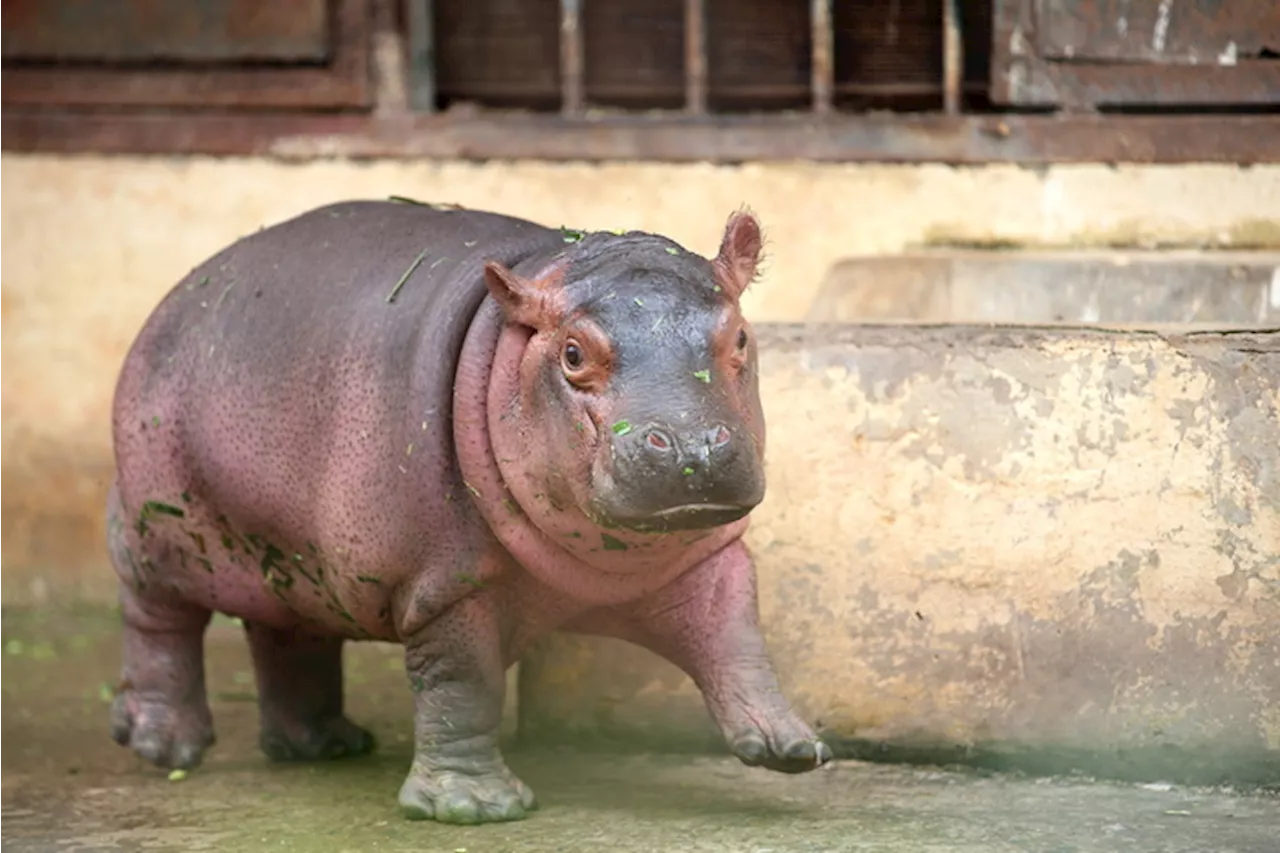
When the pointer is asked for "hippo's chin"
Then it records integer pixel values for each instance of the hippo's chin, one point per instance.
(684, 517)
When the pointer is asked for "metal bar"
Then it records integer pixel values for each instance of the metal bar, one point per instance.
(1022, 139)
(695, 56)
(422, 56)
(952, 57)
(571, 99)
(821, 70)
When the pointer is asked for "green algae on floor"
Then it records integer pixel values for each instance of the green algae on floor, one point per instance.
(67, 787)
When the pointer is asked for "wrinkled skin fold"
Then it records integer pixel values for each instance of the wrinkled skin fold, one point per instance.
(453, 430)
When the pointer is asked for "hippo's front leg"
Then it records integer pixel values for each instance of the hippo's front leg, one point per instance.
(706, 622)
(455, 668)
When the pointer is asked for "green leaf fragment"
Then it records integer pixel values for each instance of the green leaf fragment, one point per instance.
(622, 427)
(639, 301)
(672, 250)
(155, 420)
(405, 277)
(703, 375)
(157, 508)
(688, 472)
(571, 235)
(177, 775)
(612, 544)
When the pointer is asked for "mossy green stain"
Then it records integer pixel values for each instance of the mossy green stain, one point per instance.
(612, 543)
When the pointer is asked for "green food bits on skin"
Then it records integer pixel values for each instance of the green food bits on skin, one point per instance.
(671, 250)
(571, 235)
(639, 301)
(703, 375)
(716, 288)
(612, 544)
(158, 508)
(177, 775)
(622, 427)
(155, 420)
(688, 472)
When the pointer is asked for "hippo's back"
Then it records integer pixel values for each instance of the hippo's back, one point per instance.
(280, 384)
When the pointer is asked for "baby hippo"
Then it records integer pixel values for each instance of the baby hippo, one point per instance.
(453, 430)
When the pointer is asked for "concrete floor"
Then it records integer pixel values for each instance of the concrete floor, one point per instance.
(67, 788)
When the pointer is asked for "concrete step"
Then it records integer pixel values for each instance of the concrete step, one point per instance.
(1057, 546)
(1081, 287)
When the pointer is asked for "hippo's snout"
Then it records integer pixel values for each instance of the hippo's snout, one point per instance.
(665, 478)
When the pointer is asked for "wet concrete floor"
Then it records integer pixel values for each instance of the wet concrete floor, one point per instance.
(68, 788)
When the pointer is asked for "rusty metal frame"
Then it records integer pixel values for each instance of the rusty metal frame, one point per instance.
(1241, 139)
(1021, 76)
(303, 113)
(342, 83)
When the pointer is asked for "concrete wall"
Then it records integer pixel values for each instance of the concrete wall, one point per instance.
(1019, 512)
(994, 539)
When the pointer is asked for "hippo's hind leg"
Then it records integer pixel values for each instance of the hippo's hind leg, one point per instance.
(299, 677)
(160, 709)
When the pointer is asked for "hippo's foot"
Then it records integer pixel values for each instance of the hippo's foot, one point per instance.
(160, 710)
(299, 678)
(318, 741)
(172, 736)
(778, 741)
(449, 796)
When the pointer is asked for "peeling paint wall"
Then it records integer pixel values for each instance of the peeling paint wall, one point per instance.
(1061, 538)
(92, 243)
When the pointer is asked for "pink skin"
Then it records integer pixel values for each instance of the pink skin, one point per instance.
(466, 551)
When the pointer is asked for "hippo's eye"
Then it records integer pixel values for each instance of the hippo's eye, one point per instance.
(572, 356)
(742, 339)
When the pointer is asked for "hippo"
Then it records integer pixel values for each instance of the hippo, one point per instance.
(456, 431)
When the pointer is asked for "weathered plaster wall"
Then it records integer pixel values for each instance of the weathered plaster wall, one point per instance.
(92, 243)
(997, 537)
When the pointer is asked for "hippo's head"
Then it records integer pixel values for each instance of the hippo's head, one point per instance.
(638, 399)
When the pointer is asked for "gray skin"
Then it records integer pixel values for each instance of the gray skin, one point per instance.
(454, 430)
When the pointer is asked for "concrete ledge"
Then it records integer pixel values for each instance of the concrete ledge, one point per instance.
(1046, 286)
(1030, 547)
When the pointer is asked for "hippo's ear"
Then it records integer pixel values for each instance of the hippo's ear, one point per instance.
(740, 253)
(527, 302)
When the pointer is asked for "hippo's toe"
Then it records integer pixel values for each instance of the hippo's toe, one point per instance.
(174, 738)
(787, 746)
(322, 741)
(451, 797)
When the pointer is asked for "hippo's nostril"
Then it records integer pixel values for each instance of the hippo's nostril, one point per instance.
(718, 437)
(658, 440)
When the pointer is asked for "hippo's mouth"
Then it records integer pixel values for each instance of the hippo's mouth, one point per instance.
(696, 516)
